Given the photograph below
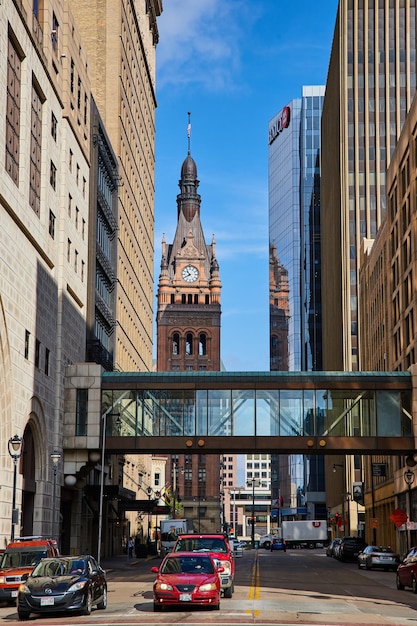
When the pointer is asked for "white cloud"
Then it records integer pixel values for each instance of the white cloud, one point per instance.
(200, 42)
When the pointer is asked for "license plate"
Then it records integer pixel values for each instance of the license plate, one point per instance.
(185, 597)
(13, 594)
(47, 601)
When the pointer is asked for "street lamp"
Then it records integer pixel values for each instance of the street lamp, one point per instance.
(55, 458)
(15, 445)
(252, 480)
(409, 479)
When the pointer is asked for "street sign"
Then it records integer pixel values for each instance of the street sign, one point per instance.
(374, 522)
(379, 469)
(398, 517)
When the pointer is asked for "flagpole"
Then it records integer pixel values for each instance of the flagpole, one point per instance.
(189, 132)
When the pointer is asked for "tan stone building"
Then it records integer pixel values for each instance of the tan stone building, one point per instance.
(120, 37)
(44, 204)
(52, 145)
(388, 312)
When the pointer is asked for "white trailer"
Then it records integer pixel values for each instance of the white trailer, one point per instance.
(305, 533)
(170, 529)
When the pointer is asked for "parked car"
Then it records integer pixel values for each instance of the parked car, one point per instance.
(19, 559)
(187, 578)
(62, 584)
(407, 571)
(278, 544)
(382, 557)
(219, 547)
(332, 548)
(350, 547)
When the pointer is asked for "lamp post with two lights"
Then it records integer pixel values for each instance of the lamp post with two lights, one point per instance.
(15, 447)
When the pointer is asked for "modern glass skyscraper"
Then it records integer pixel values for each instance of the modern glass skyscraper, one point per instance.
(295, 280)
(294, 230)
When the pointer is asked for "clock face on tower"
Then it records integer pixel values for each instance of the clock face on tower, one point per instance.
(189, 273)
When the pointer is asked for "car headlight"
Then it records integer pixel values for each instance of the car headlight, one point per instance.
(24, 588)
(226, 566)
(78, 585)
(208, 587)
(163, 587)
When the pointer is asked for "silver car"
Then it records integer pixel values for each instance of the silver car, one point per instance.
(381, 557)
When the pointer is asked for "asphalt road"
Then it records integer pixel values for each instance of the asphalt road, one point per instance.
(296, 587)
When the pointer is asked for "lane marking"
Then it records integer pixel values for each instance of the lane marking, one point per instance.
(255, 587)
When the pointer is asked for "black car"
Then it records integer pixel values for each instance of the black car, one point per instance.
(350, 547)
(63, 584)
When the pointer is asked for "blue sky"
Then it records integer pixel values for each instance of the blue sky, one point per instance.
(234, 64)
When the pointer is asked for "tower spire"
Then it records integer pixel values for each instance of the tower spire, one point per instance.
(189, 132)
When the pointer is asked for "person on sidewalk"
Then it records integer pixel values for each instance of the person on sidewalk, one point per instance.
(130, 546)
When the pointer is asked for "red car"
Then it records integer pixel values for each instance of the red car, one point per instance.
(186, 578)
(407, 571)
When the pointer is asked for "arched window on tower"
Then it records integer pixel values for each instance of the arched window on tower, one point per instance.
(202, 345)
(189, 343)
(175, 344)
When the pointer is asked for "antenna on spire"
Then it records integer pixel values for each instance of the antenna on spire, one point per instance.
(189, 132)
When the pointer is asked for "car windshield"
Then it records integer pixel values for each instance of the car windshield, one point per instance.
(383, 549)
(200, 544)
(187, 565)
(59, 567)
(22, 558)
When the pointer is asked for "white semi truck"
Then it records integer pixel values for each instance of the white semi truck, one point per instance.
(305, 533)
(170, 529)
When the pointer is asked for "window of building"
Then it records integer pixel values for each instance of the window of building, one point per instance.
(196, 298)
(52, 219)
(72, 75)
(202, 345)
(54, 126)
(35, 150)
(77, 214)
(82, 271)
(207, 299)
(68, 250)
(75, 261)
(54, 33)
(79, 94)
(176, 344)
(157, 479)
(47, 358)
(77, 175)
(14, 61)
(27, 338)
(189, 343)
(52, 175)
(71, 155)
(81, 413)
(37, 352)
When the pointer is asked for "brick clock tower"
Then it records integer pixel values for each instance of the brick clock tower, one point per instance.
(188, 339)
(188, 315)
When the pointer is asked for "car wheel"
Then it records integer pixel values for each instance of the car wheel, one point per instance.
(399, 584)
(414, 585)
(228, 592)
(157, 608)
(23, 615)
(367, 565)
(267, 545)
(88, 604)
(216, 607)
(103, 602)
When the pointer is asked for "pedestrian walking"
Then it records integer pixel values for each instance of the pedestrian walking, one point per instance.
(130, 546)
